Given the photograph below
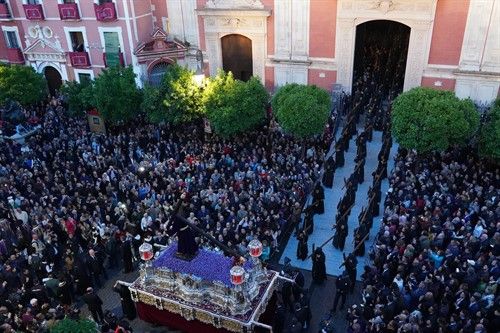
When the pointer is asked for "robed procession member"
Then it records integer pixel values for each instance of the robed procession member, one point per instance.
(342, 287)
(339, 157)
(302, 246)
(186, 244)
(350, 263)
(340, 234)
(329, 172)
(359, 244)
(127, 255)
(309, 220)
(318, 268)
(319, 199)
(128, 307)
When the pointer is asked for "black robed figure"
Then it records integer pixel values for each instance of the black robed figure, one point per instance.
(187, 247)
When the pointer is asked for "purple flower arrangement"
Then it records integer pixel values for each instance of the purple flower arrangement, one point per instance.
(207, 265)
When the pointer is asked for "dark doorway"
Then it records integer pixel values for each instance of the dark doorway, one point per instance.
(156, 73)
(380, 58)
(54, 80)
(237, 56)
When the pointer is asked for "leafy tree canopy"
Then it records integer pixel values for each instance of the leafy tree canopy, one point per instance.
(489, 139)
(432, 120)
(79, 96)
(178, 99)
(302, 110)
(75, 326)
(21, 84)
(234, 106)
(116, 95)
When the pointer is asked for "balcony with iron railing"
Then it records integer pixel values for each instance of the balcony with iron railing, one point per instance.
(68, 11)
(15, 55)
(33, 12)
(79, 59)
(108, 59)
(105, 12)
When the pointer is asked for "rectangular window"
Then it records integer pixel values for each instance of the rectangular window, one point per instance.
(112, 48)
(84, 77)
(11, 39)
(68, 1)
(32, 2)
(101, 2)
(77, 41)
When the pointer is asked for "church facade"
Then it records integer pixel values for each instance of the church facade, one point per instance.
(452, 44)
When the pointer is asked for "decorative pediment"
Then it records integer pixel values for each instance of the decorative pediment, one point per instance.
(43, 50)
(234, 4)
(159, 47)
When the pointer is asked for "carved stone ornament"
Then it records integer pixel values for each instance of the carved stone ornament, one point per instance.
(233, 22)
(384, 6)
(234, 4)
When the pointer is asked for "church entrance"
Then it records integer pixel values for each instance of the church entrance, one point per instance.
(54, 80)
(237, 56)
(380, 58)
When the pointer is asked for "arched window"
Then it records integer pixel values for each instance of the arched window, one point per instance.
(157, 72)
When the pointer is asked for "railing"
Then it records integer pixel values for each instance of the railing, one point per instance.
(33, 12)
(79, 59)
(15, 55)
(68, 11)
(4, 11)
(120, 57)
(105, 12)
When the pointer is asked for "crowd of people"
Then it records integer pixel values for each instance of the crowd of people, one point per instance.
(75, 205)
(436, 261)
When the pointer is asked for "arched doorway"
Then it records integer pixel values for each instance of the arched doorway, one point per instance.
(237, 56)
(380, 55)
(54, 79)
(157, 72)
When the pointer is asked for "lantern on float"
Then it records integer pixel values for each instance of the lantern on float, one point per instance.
(255, 248)
(237, 275)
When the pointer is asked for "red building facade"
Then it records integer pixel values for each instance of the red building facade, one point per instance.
(453, 44)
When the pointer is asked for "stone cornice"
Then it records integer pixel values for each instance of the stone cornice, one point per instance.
(233, 12)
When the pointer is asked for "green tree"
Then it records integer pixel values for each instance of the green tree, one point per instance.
(79, 96)
(74, 326)
(21, 84)
(179, 99)
(302, 110)
(489, 138)
(116, 95)
(432, 120)
(234, 106)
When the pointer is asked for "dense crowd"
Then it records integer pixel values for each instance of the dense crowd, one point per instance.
(436, 264)
(74, 204)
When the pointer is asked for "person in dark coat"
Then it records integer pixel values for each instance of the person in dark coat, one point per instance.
(342, 287)
(128, 306)
(64, 294)
(318, 268)
(81, 275)
(94, 304)
(329, 172)
(127, 256)
(319, 199)
(95, 268)
(302, 246)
